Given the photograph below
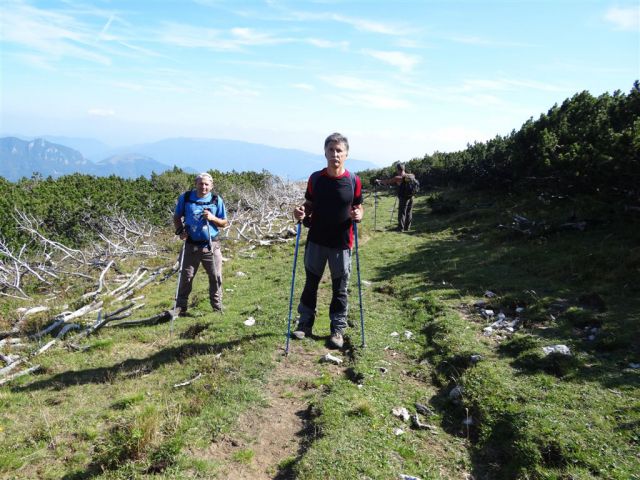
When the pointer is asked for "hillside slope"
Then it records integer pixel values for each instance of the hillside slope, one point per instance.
(495, 407)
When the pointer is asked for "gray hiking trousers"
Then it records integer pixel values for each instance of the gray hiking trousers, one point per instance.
(212, 264)
(316, 258)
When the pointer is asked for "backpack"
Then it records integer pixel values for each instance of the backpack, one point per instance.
(409, 186)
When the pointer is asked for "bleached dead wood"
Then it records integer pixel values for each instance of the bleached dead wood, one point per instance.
(266, 213)
(100, 282)
(29, 224)
(20, 374)
(188, 382)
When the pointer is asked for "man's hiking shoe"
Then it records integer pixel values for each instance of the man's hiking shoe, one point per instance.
(336, 340)
(218, 309)
(301, 332)
(180, 312)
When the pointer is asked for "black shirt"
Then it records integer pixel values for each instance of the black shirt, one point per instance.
(332, 199)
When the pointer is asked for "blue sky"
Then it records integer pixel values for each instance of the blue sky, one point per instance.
(400, 79)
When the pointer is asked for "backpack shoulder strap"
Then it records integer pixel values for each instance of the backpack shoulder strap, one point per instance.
(314, 180)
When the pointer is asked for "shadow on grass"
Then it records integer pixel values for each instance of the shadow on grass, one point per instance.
(465, 255)
(307, 434)
(134, 366)
(479, 257)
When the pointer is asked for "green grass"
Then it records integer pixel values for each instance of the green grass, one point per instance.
(112, 411)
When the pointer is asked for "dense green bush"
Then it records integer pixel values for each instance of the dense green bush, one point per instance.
(586, 145)
(71, 205)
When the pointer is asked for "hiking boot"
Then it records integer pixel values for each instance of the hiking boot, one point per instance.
(217, 309)
(301, 332)
(336, 340)
(180, 312)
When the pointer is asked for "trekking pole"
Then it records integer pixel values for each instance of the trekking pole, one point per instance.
(392, 210)
(213, 261)
(175, 303)
(375, 208)
(355, 234)
(293, 281)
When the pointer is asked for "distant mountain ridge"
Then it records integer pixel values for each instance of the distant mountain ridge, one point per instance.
(190, 154)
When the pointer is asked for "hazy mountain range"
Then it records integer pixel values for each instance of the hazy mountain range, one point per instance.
(56, 156)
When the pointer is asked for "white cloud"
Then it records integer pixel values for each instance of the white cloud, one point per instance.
(303, 86)
(504, 84)
(627, 18)
(398, 59)
(187, 36)
(320, 43)
(365, 93)
(371, 100)
(48, 33)
(101, 112)
(368, 25)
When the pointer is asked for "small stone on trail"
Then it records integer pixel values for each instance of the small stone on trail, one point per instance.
(394, 334)
(241, 274)
(328, 358)
(401, 412)
(416, 423)
(489, 294)
(456, 392)
(408, 334)
(398, 431)
(424, 410)
(475, 358)
(249, 322)
(561, 349)
(408, 477)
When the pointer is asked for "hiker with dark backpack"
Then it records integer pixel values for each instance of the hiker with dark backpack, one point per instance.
(333, 201)
(408, 186)
(198, 217)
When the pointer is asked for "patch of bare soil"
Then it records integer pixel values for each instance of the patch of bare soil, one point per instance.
(268, 439)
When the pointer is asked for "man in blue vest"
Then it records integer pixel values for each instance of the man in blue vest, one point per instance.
(199, 215)
(333, 201)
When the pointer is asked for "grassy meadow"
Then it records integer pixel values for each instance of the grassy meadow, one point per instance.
(497, 406)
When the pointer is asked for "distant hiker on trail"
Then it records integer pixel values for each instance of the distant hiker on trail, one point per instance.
(333, 201)
(198, 216)
(407, 187)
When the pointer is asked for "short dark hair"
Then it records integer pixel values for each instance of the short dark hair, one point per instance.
(336, 138)
(400, 166)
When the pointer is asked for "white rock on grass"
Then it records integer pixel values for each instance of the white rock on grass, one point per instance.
(328, 358)
(401, 412)
(561, 349)
(249, 322)
(398, 431)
